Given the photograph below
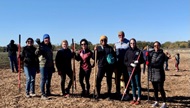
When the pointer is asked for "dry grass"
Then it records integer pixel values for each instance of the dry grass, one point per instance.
(176, 86)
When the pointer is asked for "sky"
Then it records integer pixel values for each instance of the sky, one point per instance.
(144, 20)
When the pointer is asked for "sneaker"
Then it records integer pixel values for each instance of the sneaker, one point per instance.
(27, 95)
(32, 94)
(163, 105)
(48, 94)
(155, 104)
(82, 93)
(44, 97)
(66, 95)
(67, 91)
(137, 103)
(132, 102)
(97, 97)
(109, 98)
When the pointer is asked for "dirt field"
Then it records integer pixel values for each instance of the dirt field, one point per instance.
(177, 87)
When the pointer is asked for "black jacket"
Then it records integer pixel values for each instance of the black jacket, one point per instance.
(156, 66)
(12, 49)
(102, 52)
(29, 57)
(45, 55)
(63, 59)
(130, 56)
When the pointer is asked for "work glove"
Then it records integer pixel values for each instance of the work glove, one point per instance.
(133, 65)
(136, 61)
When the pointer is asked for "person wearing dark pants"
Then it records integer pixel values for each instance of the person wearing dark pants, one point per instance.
(63, 74)
(177, 60)
(120, 48)
(85, 75)
(31, 66)
(159, 86)
(45, 56)
(101, 72)
(12, 49)
(84, 55)
(106, 60)
(156, 73)
(64, 67)
(133, 59)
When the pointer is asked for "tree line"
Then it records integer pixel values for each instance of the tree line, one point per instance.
(140, 44)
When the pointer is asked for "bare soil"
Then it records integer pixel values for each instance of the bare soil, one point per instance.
(177, 87)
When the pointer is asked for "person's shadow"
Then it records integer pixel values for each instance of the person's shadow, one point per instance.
(181, 101)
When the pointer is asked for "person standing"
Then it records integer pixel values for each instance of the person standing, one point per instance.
(133, 59)
(105, 58)
(84, 55)
(12, 49)
(157, 73)
(31, 66)
(177, 60)
(167, 57)
(45, 55)
(64, 67)
(120, 48)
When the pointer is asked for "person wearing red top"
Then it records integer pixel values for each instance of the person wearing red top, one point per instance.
(84, 55)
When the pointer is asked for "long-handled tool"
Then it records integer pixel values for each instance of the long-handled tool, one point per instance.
(130, 78)
(95, 67)
(74, 73)
(19, 64)
(147, 63)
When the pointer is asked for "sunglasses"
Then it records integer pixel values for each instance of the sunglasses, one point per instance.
(103, 40)
(156, 45)
(83, 44)
(120, 35)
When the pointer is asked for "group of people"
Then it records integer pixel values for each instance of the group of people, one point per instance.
(176, 58)
(124, 59)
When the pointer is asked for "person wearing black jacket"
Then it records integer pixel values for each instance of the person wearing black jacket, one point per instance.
(45, 56)
(103, 65)
(64, 67)
(156, 72)
(84, 55)
(133, 59)
(12, 49)
(31, 66)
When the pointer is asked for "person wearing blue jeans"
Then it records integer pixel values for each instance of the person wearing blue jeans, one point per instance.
(12, 49)
(45, 56)
(30, 73)
(13, 62)
(136, 83)
(31, 66)
(46, 75)
(133, 59)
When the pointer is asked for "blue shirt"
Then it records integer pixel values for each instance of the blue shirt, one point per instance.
(121, 48)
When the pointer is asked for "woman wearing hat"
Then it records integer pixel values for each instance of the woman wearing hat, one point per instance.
(31, 65)
(45, 54)
(105, 65)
